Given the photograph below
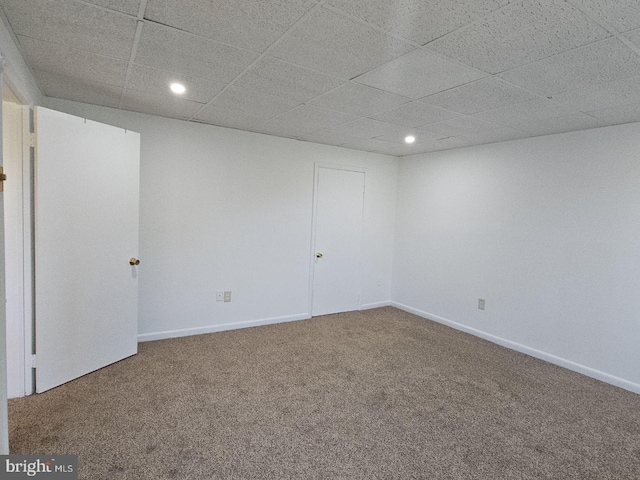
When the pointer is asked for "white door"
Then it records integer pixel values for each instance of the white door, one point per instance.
(86, 231)
(338, 241)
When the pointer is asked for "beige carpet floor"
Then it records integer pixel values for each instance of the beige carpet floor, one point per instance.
(375, 394)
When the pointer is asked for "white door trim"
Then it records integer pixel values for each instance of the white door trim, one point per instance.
(19, 248)
(4, 405)
(28, 153)
(312, 264)
(12, 145)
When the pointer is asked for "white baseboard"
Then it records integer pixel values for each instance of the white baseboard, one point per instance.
(576, 367)
(369, 306)
(147, 337)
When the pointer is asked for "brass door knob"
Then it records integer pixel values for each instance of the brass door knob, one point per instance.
(134, 261)
(318, 255)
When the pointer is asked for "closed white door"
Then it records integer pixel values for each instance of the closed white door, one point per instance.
(86, 227)
(338, 241)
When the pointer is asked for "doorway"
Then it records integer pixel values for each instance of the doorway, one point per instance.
(337, 240)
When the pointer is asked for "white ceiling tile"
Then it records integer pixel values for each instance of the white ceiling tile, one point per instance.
(160, 105)
(73, 24)
(336, 45)
(415, 114)
(398, 150)
(307, 118)
(461, 126)
(622, 114)
(369, 128)
(455, 142)
(259, 104)
(421, 135)
(389, 148)
(419, 21)
(375, 145)
(418, 74)
(76, 89)
(579, 121)
(126, 6)
(359, 100)
(520, 113)
(249, 24)
(623, 15)
(600, 62)
(279, 78)
(278, 130)
(443, 144)
(156, 81)
(605, 95)
(177, 51)
(54, 58)
(520, 33)
(427, 148)
(79, 50)
(485, 94)
(634, 37)
(227, 117)
(493, 136)
(330, 137)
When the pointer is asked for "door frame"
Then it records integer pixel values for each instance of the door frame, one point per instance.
(312, 263)
(6, 81)
(24, 274)
(4, 404)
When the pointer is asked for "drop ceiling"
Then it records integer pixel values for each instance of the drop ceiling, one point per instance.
(362, 74)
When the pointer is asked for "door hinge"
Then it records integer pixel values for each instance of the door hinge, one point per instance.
(33, 361)
(32, 139)
(3, 178)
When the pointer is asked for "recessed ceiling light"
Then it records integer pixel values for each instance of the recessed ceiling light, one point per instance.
(410, 139)
(177, 88)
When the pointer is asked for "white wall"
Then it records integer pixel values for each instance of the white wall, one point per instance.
(223, 209)
(547, 230)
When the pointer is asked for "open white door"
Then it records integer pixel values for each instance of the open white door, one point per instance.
(338, 241)
(86, 230)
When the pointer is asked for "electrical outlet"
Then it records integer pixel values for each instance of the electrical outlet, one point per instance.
(219, 296)
(227, 296)
(481, 303)
(379, 282)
